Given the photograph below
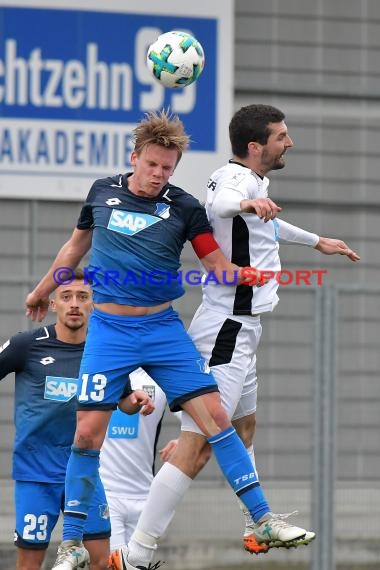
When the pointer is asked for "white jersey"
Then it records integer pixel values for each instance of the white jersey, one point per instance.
(128, 452)
(245, 240)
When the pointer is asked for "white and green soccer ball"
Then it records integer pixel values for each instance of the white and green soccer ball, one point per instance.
(175, 59)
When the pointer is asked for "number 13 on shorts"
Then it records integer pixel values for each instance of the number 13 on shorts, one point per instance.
(92, 388)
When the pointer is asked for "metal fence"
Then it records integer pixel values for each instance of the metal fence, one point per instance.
(347, 322)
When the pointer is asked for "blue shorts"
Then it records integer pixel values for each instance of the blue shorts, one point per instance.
(38, 506)
(116, 345)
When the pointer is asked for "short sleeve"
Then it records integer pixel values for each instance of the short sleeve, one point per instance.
(86, 219)
(197, 221)
(13, 353)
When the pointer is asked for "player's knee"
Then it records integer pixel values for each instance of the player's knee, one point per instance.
(220, 417)
(85, 441)
(216, 411)
(203, 457)
(87, 438)
(198, 461)
(208, 413)
(91, 428)
(245, 428)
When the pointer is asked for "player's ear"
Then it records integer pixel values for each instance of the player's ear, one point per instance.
(52, 305)
(254, 147)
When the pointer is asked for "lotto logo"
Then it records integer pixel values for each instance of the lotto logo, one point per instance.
(130, 223)
(5, 345)
(60, 389)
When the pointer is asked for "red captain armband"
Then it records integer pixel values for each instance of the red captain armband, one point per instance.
(203, 244)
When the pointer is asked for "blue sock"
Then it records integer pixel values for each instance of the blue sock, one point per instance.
(237, 468)
(82, 475)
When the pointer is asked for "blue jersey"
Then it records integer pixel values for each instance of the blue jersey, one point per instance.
(45, 402)
(137, 242)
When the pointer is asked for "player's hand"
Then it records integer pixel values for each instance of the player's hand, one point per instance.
(168, 449)
(254, 277)
(137, 401)
(143, 400)
(330, 246)
(264, 208)
(36, 307)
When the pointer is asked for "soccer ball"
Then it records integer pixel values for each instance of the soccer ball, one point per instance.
(176, 59)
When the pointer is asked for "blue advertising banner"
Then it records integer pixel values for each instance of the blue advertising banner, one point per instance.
(74, 83)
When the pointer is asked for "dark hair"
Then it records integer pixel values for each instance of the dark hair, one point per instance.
(251, 124)
(78, 274)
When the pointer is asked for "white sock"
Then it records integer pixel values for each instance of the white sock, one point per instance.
(247, 515)
(166, 492)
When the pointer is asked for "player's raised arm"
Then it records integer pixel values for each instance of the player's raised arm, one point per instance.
(229, 273)
(331, 246)
(214, 260)
(68, 258)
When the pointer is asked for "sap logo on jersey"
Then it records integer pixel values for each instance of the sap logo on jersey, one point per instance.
(130, 223)
(60, 389)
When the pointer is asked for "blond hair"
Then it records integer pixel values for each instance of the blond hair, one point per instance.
(163, 129)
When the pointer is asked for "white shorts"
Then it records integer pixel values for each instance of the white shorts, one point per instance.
(124, 515)
(229, 344)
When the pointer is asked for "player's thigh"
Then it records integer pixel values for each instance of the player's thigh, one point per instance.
(175, 363)
(224, 345)
(109, 355)
(101, 384)
(230, 346)
(247, 404)
(37, 507)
